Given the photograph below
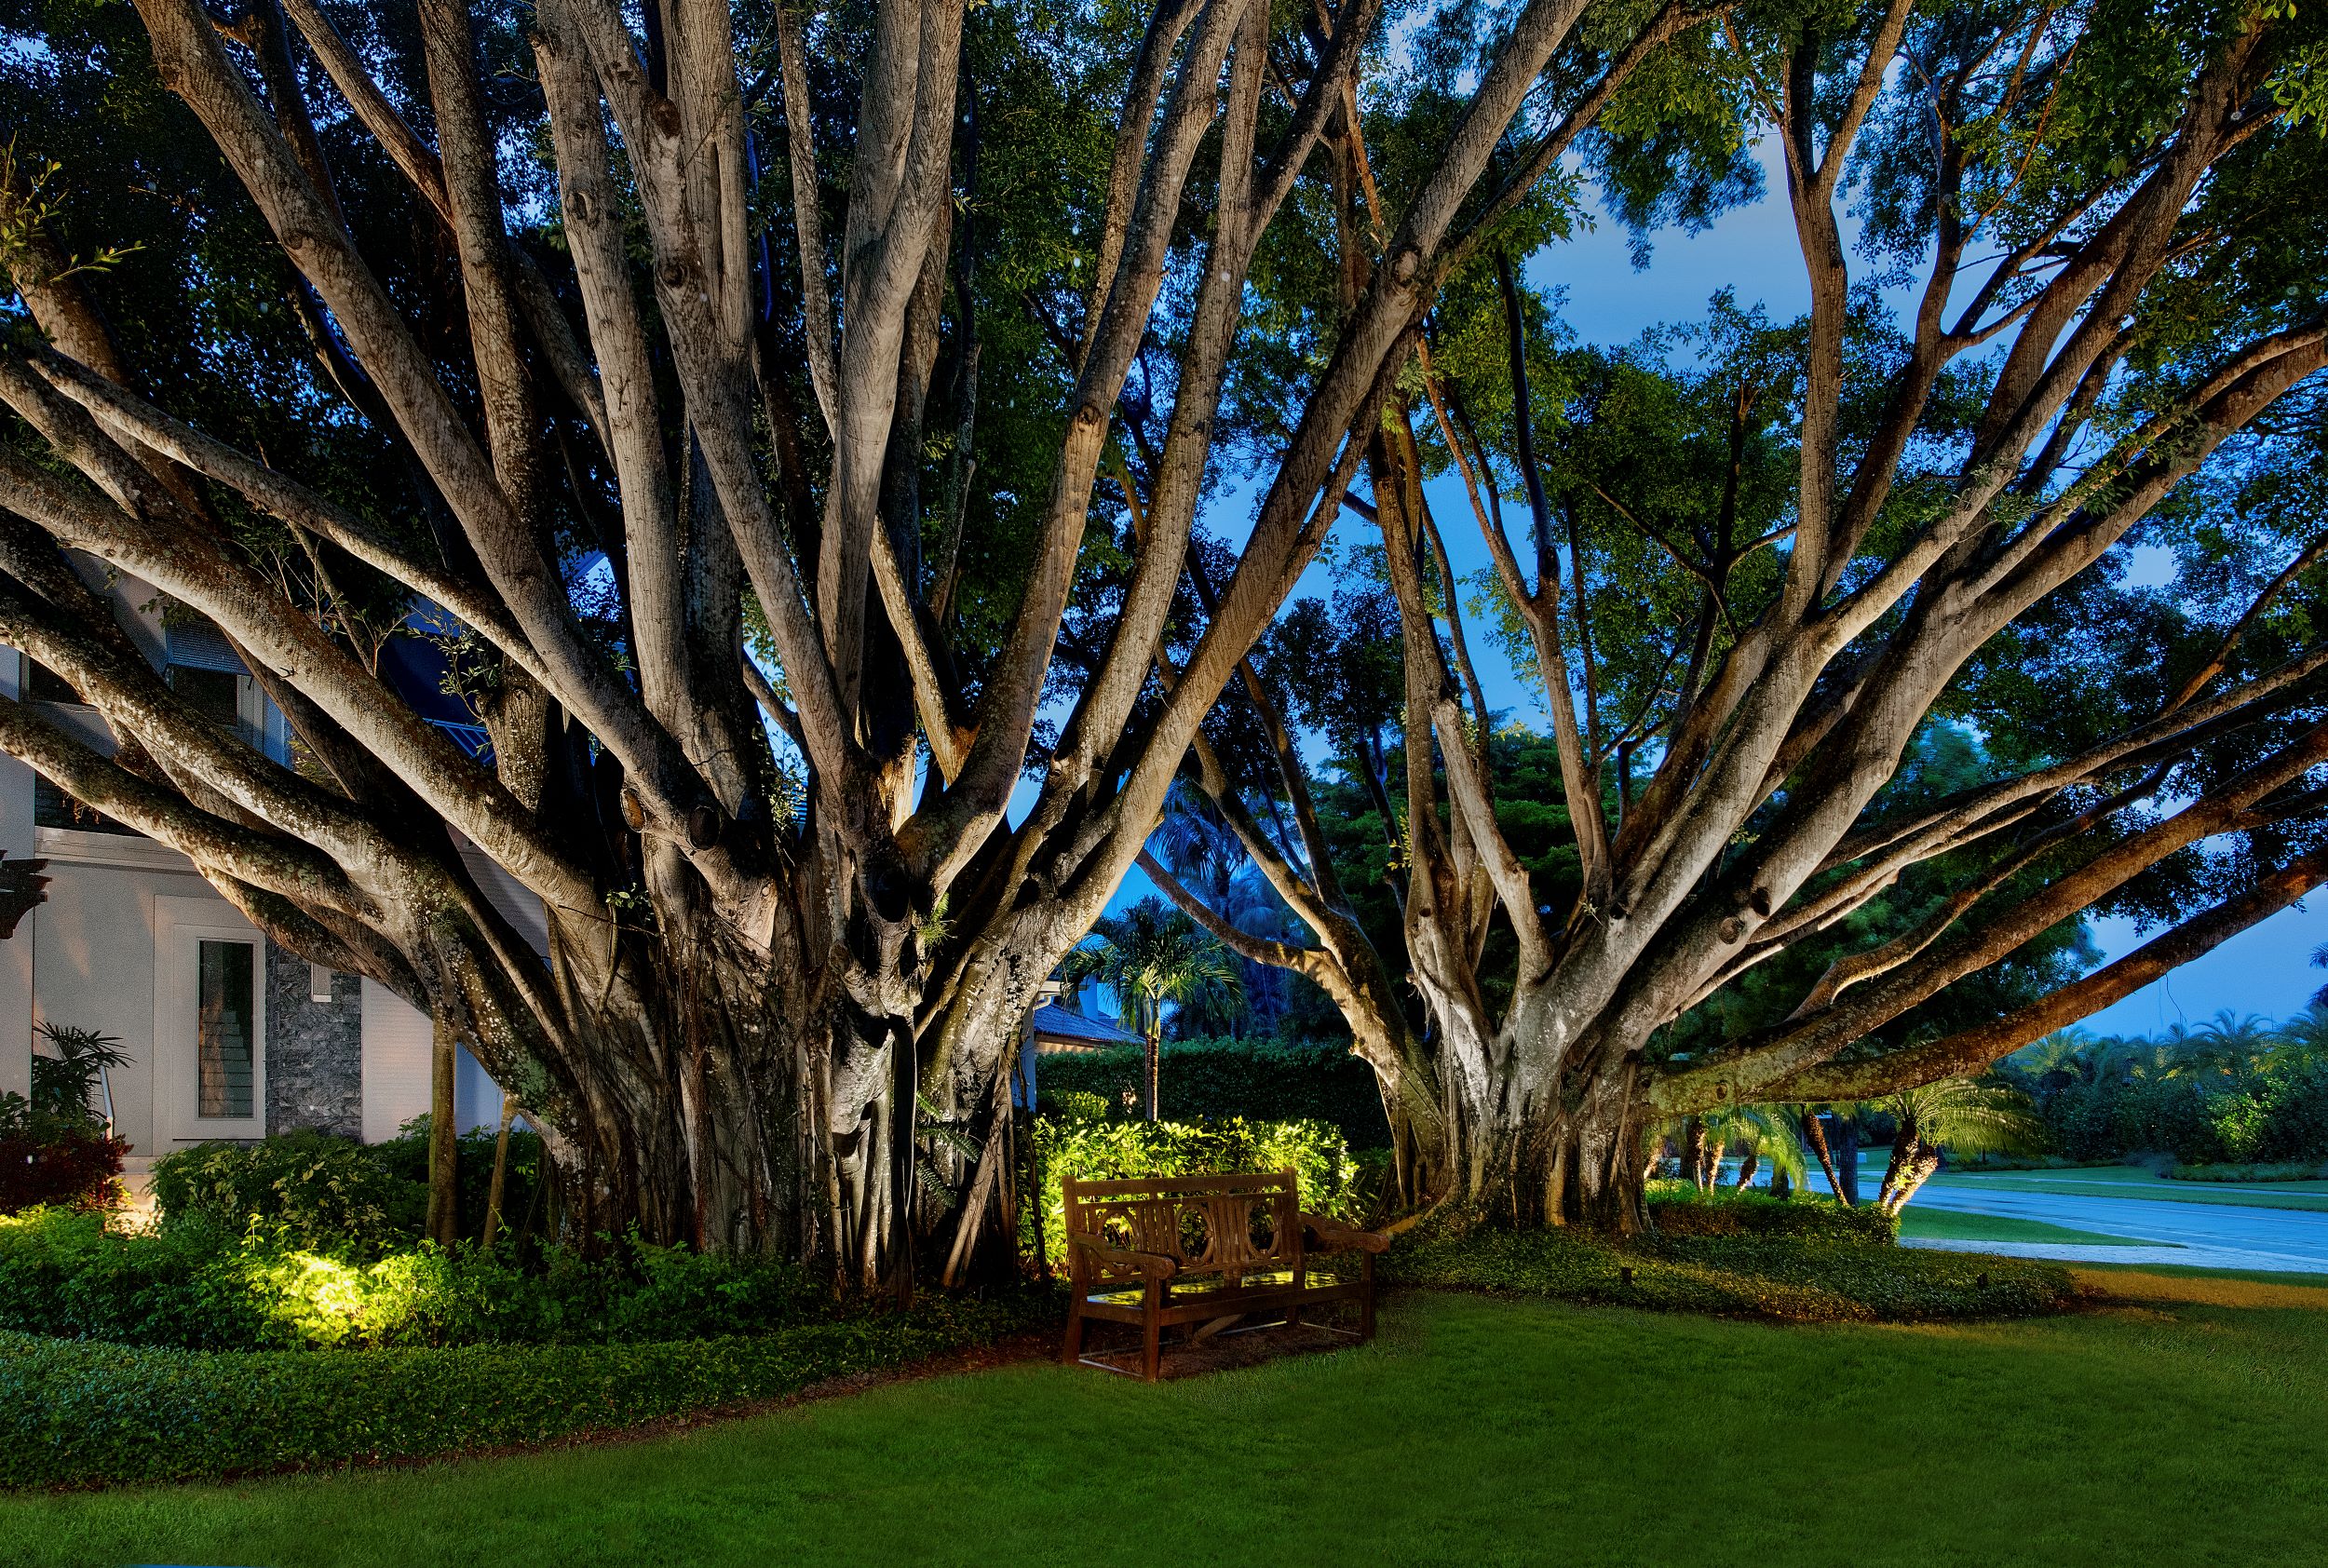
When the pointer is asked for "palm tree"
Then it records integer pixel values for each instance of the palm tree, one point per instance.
(2303, 1039)
(2232, 1043)
(1203, 853)
(1150, 955)
(1959, 1116)
(1759, 1133)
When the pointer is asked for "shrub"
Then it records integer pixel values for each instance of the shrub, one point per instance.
(320, 1191)
(1211, 1080)
(1793, 1277)
(1679, 1209)
(48, 1158)
(65, 1274)
(1098, 1151)
(2299, 1170)
(335, 1195)
(195, 1285)
(406, 1157)
(75, 1414)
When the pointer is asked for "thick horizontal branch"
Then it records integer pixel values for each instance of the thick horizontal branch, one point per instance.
(1972, 1050)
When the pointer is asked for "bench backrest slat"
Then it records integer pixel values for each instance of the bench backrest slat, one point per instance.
(1247, 1221)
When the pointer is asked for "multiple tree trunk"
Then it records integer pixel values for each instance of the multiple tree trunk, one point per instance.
(1758, 829)
(747, 1001)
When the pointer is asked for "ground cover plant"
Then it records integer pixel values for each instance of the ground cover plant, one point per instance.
(1796, 1277)
(2037, 1446)
(75, 1412)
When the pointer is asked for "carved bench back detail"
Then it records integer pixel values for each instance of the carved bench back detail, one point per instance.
(1249, 1223)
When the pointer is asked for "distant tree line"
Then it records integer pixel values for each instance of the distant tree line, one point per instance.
(2234, 1088)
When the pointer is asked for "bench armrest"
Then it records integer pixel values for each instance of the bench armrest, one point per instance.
(1334, 1237)
(1156, 1265)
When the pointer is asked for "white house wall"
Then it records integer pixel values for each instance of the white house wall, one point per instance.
(396, 1061)
(92, 944)
(396, 1040)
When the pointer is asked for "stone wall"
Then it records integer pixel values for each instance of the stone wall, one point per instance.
(315, 1050)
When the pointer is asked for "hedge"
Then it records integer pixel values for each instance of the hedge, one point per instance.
(1095, 1151)
(2274, 1116)
(2298, 1170)
(75, 1414)
(1211, 1080)
(1790, 1278)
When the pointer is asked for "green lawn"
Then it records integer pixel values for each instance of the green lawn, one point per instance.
(1951, 1225)
(2177, 1422)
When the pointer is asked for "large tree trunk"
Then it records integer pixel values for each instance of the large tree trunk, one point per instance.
(1529, 1157)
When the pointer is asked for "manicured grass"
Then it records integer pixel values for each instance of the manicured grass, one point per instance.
(1953, 1225)
(2176, 1423)
(2131, 1181)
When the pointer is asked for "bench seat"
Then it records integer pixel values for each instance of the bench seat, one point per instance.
(1208, 1251)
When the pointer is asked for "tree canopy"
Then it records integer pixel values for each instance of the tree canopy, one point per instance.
(797, 444)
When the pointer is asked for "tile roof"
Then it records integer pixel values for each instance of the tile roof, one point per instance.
(1057, 1022)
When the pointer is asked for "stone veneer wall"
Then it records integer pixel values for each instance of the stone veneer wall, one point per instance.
(315, 1050)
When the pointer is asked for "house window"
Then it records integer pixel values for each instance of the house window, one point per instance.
(217, 693)
(225, 1031)
(53, 808)
(43, 684)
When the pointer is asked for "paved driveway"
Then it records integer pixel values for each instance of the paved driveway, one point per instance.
(2193, 1234)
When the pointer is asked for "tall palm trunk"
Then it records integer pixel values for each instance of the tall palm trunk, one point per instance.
(1815, 1135)
(1154, 1053)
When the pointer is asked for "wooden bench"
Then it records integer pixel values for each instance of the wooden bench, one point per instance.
(1207, 1251)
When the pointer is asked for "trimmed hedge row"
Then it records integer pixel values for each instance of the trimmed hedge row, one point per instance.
(2285, 1170)
(75, 1414)
(1792, 1278)
(1211, 1080)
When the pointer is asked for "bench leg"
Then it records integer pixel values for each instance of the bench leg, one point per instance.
(1072, 1351)
(1152, 1333)
(1366, 1299)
